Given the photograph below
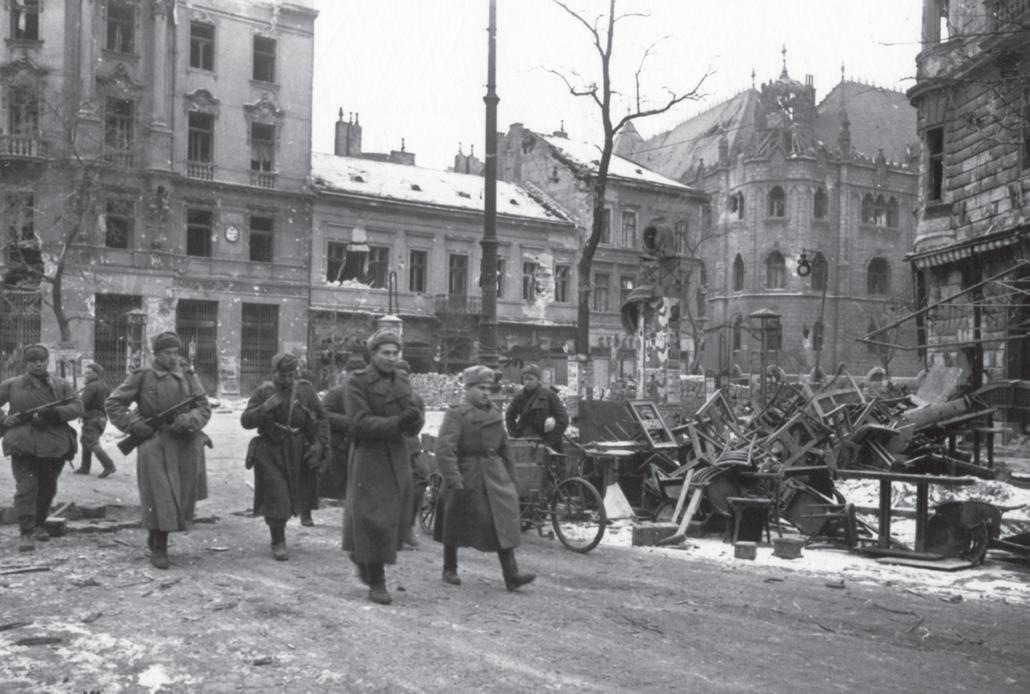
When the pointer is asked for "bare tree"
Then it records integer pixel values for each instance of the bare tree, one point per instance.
(602, 31)
(43, 230)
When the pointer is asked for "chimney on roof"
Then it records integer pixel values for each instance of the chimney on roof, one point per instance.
(560, 132)
(347, 142)
(809, 81)
(403, 156)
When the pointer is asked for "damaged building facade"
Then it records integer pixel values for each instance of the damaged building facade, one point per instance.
(972, 246)
(390, 237)
(558, 168)
(143, 194)
(809, 217)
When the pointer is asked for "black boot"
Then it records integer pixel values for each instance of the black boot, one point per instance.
(87, 459)
(279, 542)
(450, 565)
(377, 592)
(105, 460)
(159, 552)
(512, 578)
(362, 570)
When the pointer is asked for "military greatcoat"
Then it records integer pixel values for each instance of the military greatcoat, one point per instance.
(379, 488)
(472, 453)
(170, 469)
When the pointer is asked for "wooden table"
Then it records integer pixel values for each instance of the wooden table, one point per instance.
(922, 484)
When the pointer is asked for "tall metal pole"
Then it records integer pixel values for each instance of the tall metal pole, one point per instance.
(488, 269)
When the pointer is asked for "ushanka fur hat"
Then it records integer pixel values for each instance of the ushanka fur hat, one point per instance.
(35, 352)
(383, 337)
(474, 375)
(166, 340)
(533, 370)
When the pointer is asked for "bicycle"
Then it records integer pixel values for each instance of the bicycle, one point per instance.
(551, 491)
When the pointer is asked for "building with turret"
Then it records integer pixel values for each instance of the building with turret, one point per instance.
(809, 216)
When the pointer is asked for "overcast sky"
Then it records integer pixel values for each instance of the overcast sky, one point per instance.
(416, 69)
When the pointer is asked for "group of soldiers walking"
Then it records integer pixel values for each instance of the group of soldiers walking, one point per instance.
(361, 439)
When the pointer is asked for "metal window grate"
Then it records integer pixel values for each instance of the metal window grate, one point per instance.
(259, 342)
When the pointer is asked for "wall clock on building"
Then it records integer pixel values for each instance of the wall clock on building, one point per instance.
(232, 233)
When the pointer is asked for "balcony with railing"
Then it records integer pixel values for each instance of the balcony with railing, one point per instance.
(200, 170)
(22, 147)
(119, 157)
(457, 305)
(263, 179)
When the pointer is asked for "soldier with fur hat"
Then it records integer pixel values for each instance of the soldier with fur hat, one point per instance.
(40, 445)
(479, 505)
(170, 469)
(290, 450)
(382, 410)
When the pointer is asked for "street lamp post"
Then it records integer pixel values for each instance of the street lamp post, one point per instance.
(488, 268)
(804, 269)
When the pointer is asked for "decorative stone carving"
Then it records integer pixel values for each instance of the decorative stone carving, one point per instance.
(203, 101)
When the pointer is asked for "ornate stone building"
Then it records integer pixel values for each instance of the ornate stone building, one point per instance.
(972, 240)
(809, 218)
(153, 160)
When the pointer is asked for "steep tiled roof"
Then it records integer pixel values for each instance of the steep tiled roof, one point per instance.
(423, 186)
(677, 152)
(880, 119)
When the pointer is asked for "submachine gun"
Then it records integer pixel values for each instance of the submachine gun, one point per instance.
(130, 442)
(26, 416)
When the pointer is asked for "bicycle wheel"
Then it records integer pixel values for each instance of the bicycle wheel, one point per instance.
(427, 509)
(577, 514)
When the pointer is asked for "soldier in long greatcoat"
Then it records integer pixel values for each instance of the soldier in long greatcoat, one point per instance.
(479, 504)
(382, 410)
(333, 483)
(291, 447)
(170, 468)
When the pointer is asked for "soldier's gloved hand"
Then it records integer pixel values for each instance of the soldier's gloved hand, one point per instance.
(141, 430)
(410, 419)
(271, 403)
(10, 421)
(549, 424)
(183, 424)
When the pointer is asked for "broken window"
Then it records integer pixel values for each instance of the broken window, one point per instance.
(119, 222)
(264, 59)
(500, 277)
(892, 213)
(200, 142)
(625, 288)
(418, 270)
(738, 274)
(935, 164)
(777, 202)
(457, 274)
(819, 272)
(262, 147)
(25, 20)
(121, 27)
(199, 225)
(606, 227)
(22, 112)
(529, 283)
(261, 239)
(119, 127)
(775, 271)
(878, 277)
(561, 283)
(820, 204)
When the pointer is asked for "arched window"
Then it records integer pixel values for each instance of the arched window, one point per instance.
(867, 209)
(820, 204)
(880, 211)
(735, 206)
(775, 271)
(819, 271)
(738, 332)
(738, 274)
(878, 277)
(892, 213)
(777, 202)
